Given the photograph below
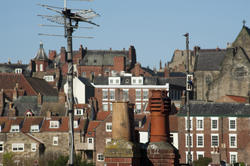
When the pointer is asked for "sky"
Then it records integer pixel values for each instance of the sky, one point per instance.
(154, 27)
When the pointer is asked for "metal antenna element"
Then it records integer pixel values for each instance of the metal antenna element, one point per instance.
(70, 21)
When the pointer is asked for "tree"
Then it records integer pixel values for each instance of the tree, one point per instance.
(8, 159)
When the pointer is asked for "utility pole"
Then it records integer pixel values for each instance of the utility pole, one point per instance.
(187, 100)
(66, 18)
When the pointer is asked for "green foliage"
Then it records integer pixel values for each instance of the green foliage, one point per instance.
(8, 159)
(203, 161)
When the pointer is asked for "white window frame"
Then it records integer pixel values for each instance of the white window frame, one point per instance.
(108, 124)
(137, 105)
(18, 70)
(105, 106)
(199, 153)
(186, 139)
(137, 80)
(90, 140)
(229, 123)
(105, 96)
(2, 146)
(33, 147)
(145, 91)
(191, 123)
(114, 80)
(76, 125)
(78, 111)
(137, 97)
(49, 78)
(217, 135)
(127, 96)
(217, 120)
(34, 128)
(41, 67)
(55, 141)
(107, 140)
(230, 139)
(111, 106)
(15, 129)
(230, 156)
(197, 145)
(54, 124)
(192, 156)
(111, 91)
(100, 157)
(197, 123)
(18, 146)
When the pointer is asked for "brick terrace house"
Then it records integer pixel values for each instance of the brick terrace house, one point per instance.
(218, 130)
(136, 90)
(34, 137)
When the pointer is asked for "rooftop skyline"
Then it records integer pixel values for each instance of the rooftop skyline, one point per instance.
(155, 28)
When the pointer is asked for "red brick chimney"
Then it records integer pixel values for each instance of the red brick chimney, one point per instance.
(1, 102)
(39, 99)
(63, 55)
(12, 110)
(137, 69)
(15, 92)
(160, 151)
(132, 56)
(119, 63)
(52, 55)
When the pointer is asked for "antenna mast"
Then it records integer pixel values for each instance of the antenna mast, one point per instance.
(67, 17)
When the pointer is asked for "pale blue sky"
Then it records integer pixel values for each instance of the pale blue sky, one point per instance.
(154, 27)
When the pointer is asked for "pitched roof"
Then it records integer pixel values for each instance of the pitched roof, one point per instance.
(91, 128)
(209, 60)
(102, 115)
(9, 81)
(63, 125)
(217, 109)
(31, 121)
(41, 55)
(42, 87)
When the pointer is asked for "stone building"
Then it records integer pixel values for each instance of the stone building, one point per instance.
(221, 72)
(218, 130)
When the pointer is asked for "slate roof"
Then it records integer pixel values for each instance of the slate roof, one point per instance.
(42, 87)
(41, 55)
(178, 81)
(85, 81)
(102, 57)
(10, 68)
(209, 60)
(177, 74)
(217, 109)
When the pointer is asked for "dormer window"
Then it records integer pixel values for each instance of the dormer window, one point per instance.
(28, 114)
(34, 128)
(137, 80)
(18, 70)
(114, 80)
(14, 128)
(54, 124)
(78, 111)
(49, 78)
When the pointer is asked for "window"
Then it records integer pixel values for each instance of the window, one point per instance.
(232, 124)
(187, 156)
(41, 67)
(1, 147)
(100, 157)
(138, 108)
(145, 94)
(233, 157)
(112, 94)
(28, 114)
(33, 147)
(138, 94)
(17, 147)
(137, 80)
(108, 140)
(108, 127)
(34, 128)
(75, 124)
(232, 140)
(191, 140)
(54, 124)
(83, 74)
(78, 111)
(199, 154)
(125, 94)
(111, 106)
(214, 123)
(114, 80)
(105, 94)
(199, 123)
(14, 128)
(55, 140)
(190, 123)
(90, 140)
(18, 70)
(105, 106)
(200, 140)
(49, 78)
(214, 140)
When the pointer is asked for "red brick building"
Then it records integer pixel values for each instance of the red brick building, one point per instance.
(218, 131)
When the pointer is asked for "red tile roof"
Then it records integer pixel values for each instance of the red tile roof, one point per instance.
(91, 128)
(31, 121)
(63, 125)
(238, 99)
(102, 115)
